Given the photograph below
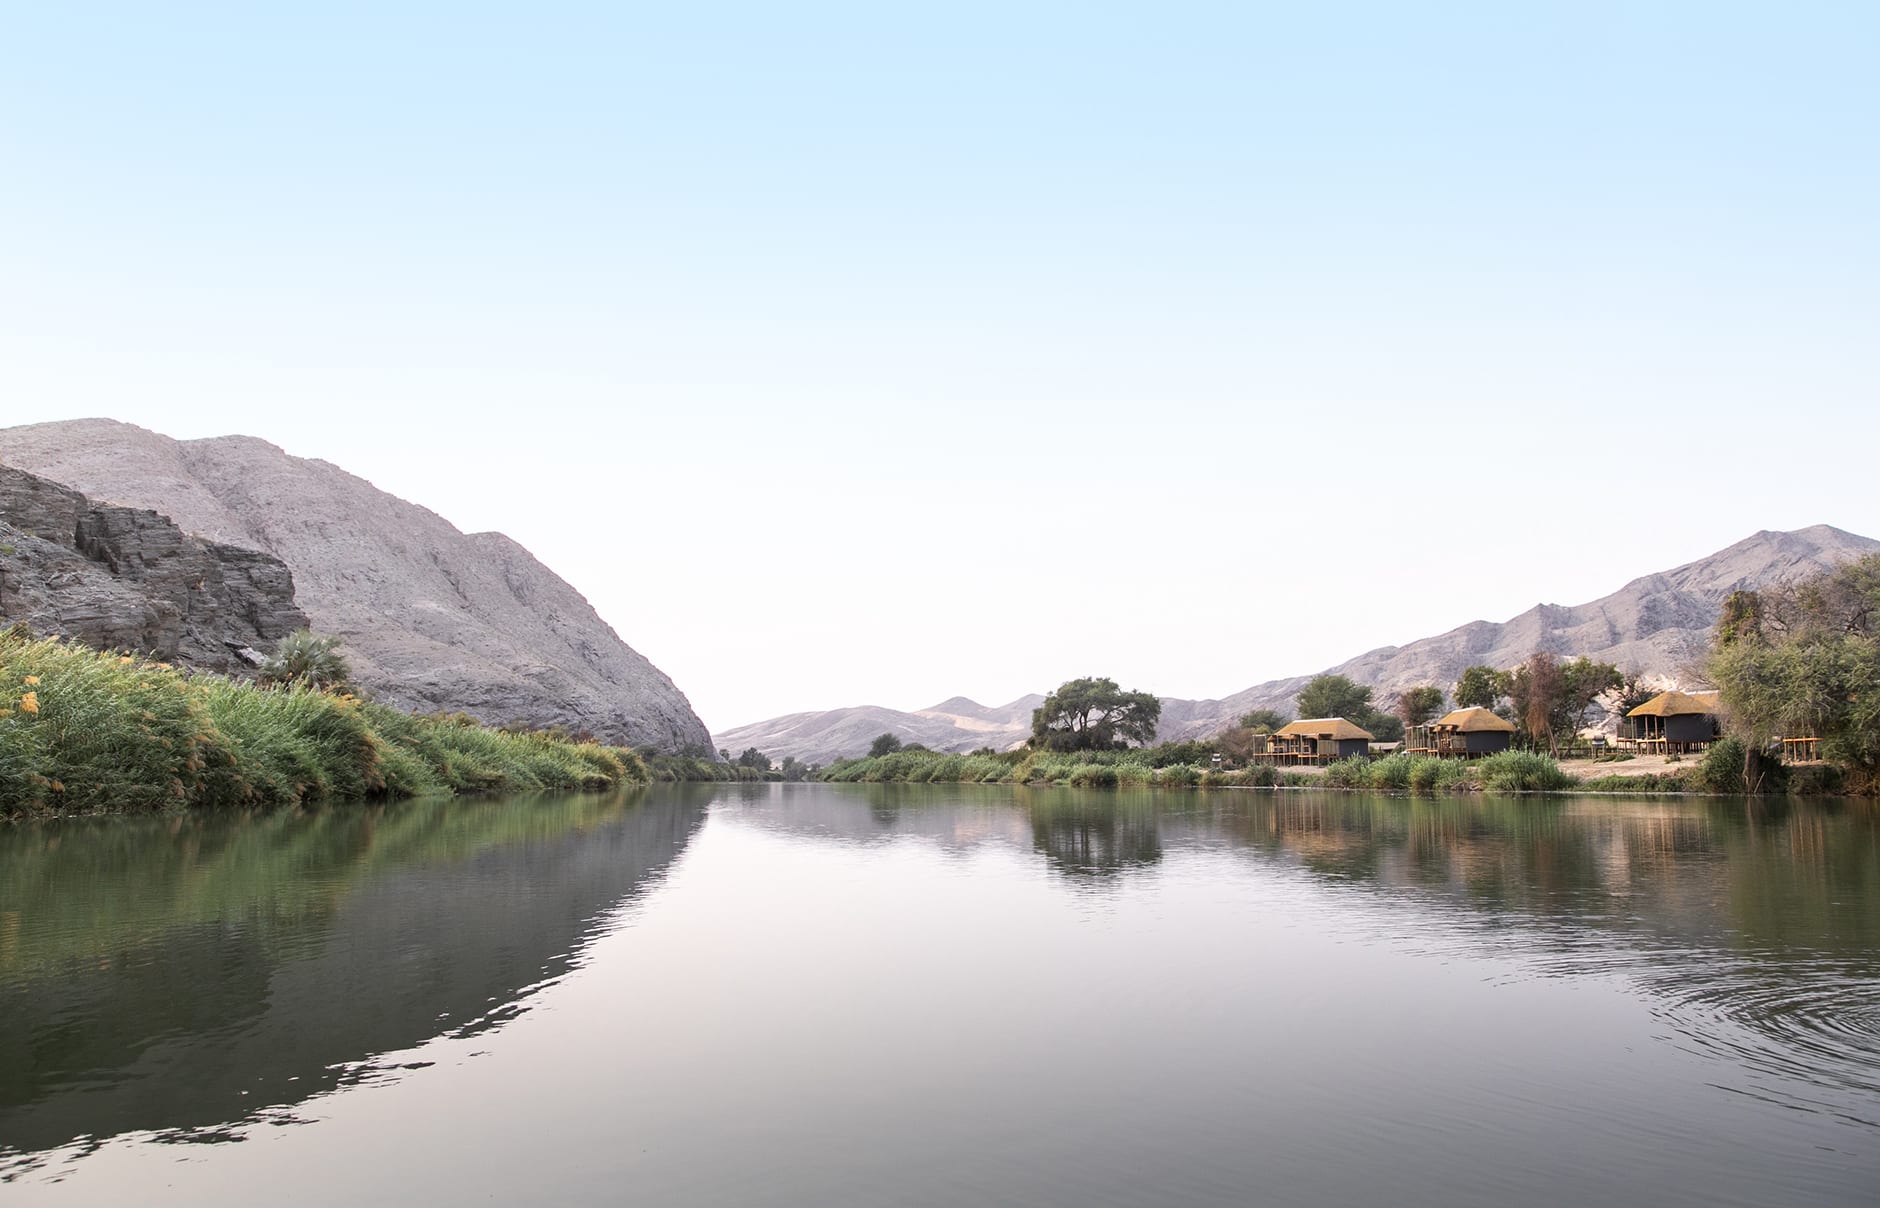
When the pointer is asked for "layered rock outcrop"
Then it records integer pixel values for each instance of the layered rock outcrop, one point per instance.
(122, 578)
(431, 618)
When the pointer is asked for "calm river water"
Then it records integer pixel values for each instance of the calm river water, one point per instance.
(884, 995)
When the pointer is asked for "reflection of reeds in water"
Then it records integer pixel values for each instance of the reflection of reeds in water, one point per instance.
(174, 975)
(94, 887)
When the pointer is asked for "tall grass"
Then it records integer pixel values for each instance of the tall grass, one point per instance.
(683, 769)
(1522, 772)
(1080, 769)
(1514, 771)
(1401, 772)
(84, 731)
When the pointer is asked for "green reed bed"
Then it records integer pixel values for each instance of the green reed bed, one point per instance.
(85, 731)
(1080, 769)
(695, 769)
(1514, 771)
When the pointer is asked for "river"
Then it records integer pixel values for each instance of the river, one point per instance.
(925, 995)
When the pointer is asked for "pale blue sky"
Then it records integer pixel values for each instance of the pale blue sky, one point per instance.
(842, 355)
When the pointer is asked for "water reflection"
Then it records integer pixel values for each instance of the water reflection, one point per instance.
(1324, 997)
(185, 975)
(1088, 838)
(1754, 926)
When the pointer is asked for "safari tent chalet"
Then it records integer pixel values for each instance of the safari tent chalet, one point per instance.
(1674, 721)
(1318, 740)
(1470, 732)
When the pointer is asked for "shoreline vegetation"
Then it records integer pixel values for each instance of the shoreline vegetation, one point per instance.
(1795, 665)
(1716, 773)
(86, 731)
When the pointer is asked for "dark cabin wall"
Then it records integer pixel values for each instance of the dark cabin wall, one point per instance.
(1691, 727)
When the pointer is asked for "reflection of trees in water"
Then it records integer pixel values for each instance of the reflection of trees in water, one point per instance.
(181, 974)
(1094, 836)
(1763, 874)
(1761, 918)
(1745, 874)
(1765, 913)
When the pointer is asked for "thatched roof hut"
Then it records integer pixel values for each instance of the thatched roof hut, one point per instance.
(1475, 720)
(1679, 719)
(1323, 737)
(1471, 731)
(1680, 704)
(1324, 727)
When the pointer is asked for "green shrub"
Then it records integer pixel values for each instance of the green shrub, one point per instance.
(1346, 774)
(1522, 771)
(1721, 769)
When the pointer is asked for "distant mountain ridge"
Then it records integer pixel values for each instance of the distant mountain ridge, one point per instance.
(957, 724)
(432, 618)
(1656, 624)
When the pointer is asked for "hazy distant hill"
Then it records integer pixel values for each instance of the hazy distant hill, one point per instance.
(952, 725)
(1657, 624)
(432, 618)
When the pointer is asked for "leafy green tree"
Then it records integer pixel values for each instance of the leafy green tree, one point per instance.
(1480, 688)
(884, 744)
(1382, 726)
(1094, 715)
(1804, 661)
(1416, 706)
(1263, 721)
(755, 759)
(1583, 682)
(304, 657)
(1339, 696)
(1334, 696)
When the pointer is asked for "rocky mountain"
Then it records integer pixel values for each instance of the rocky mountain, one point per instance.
(1657, 625)
(432, 618)
(122, 578)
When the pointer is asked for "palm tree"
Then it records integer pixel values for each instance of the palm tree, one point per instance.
(304, 657)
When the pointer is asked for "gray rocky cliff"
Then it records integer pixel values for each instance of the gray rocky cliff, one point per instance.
(431, 618)
(122, 578)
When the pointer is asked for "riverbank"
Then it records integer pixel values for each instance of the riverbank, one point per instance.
(1718, 773)
(83, 731)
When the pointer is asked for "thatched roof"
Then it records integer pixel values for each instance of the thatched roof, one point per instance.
(1475, 720)
(1321, 727)
(1675, 704)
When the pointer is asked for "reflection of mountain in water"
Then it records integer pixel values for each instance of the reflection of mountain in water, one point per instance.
(234, 967)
